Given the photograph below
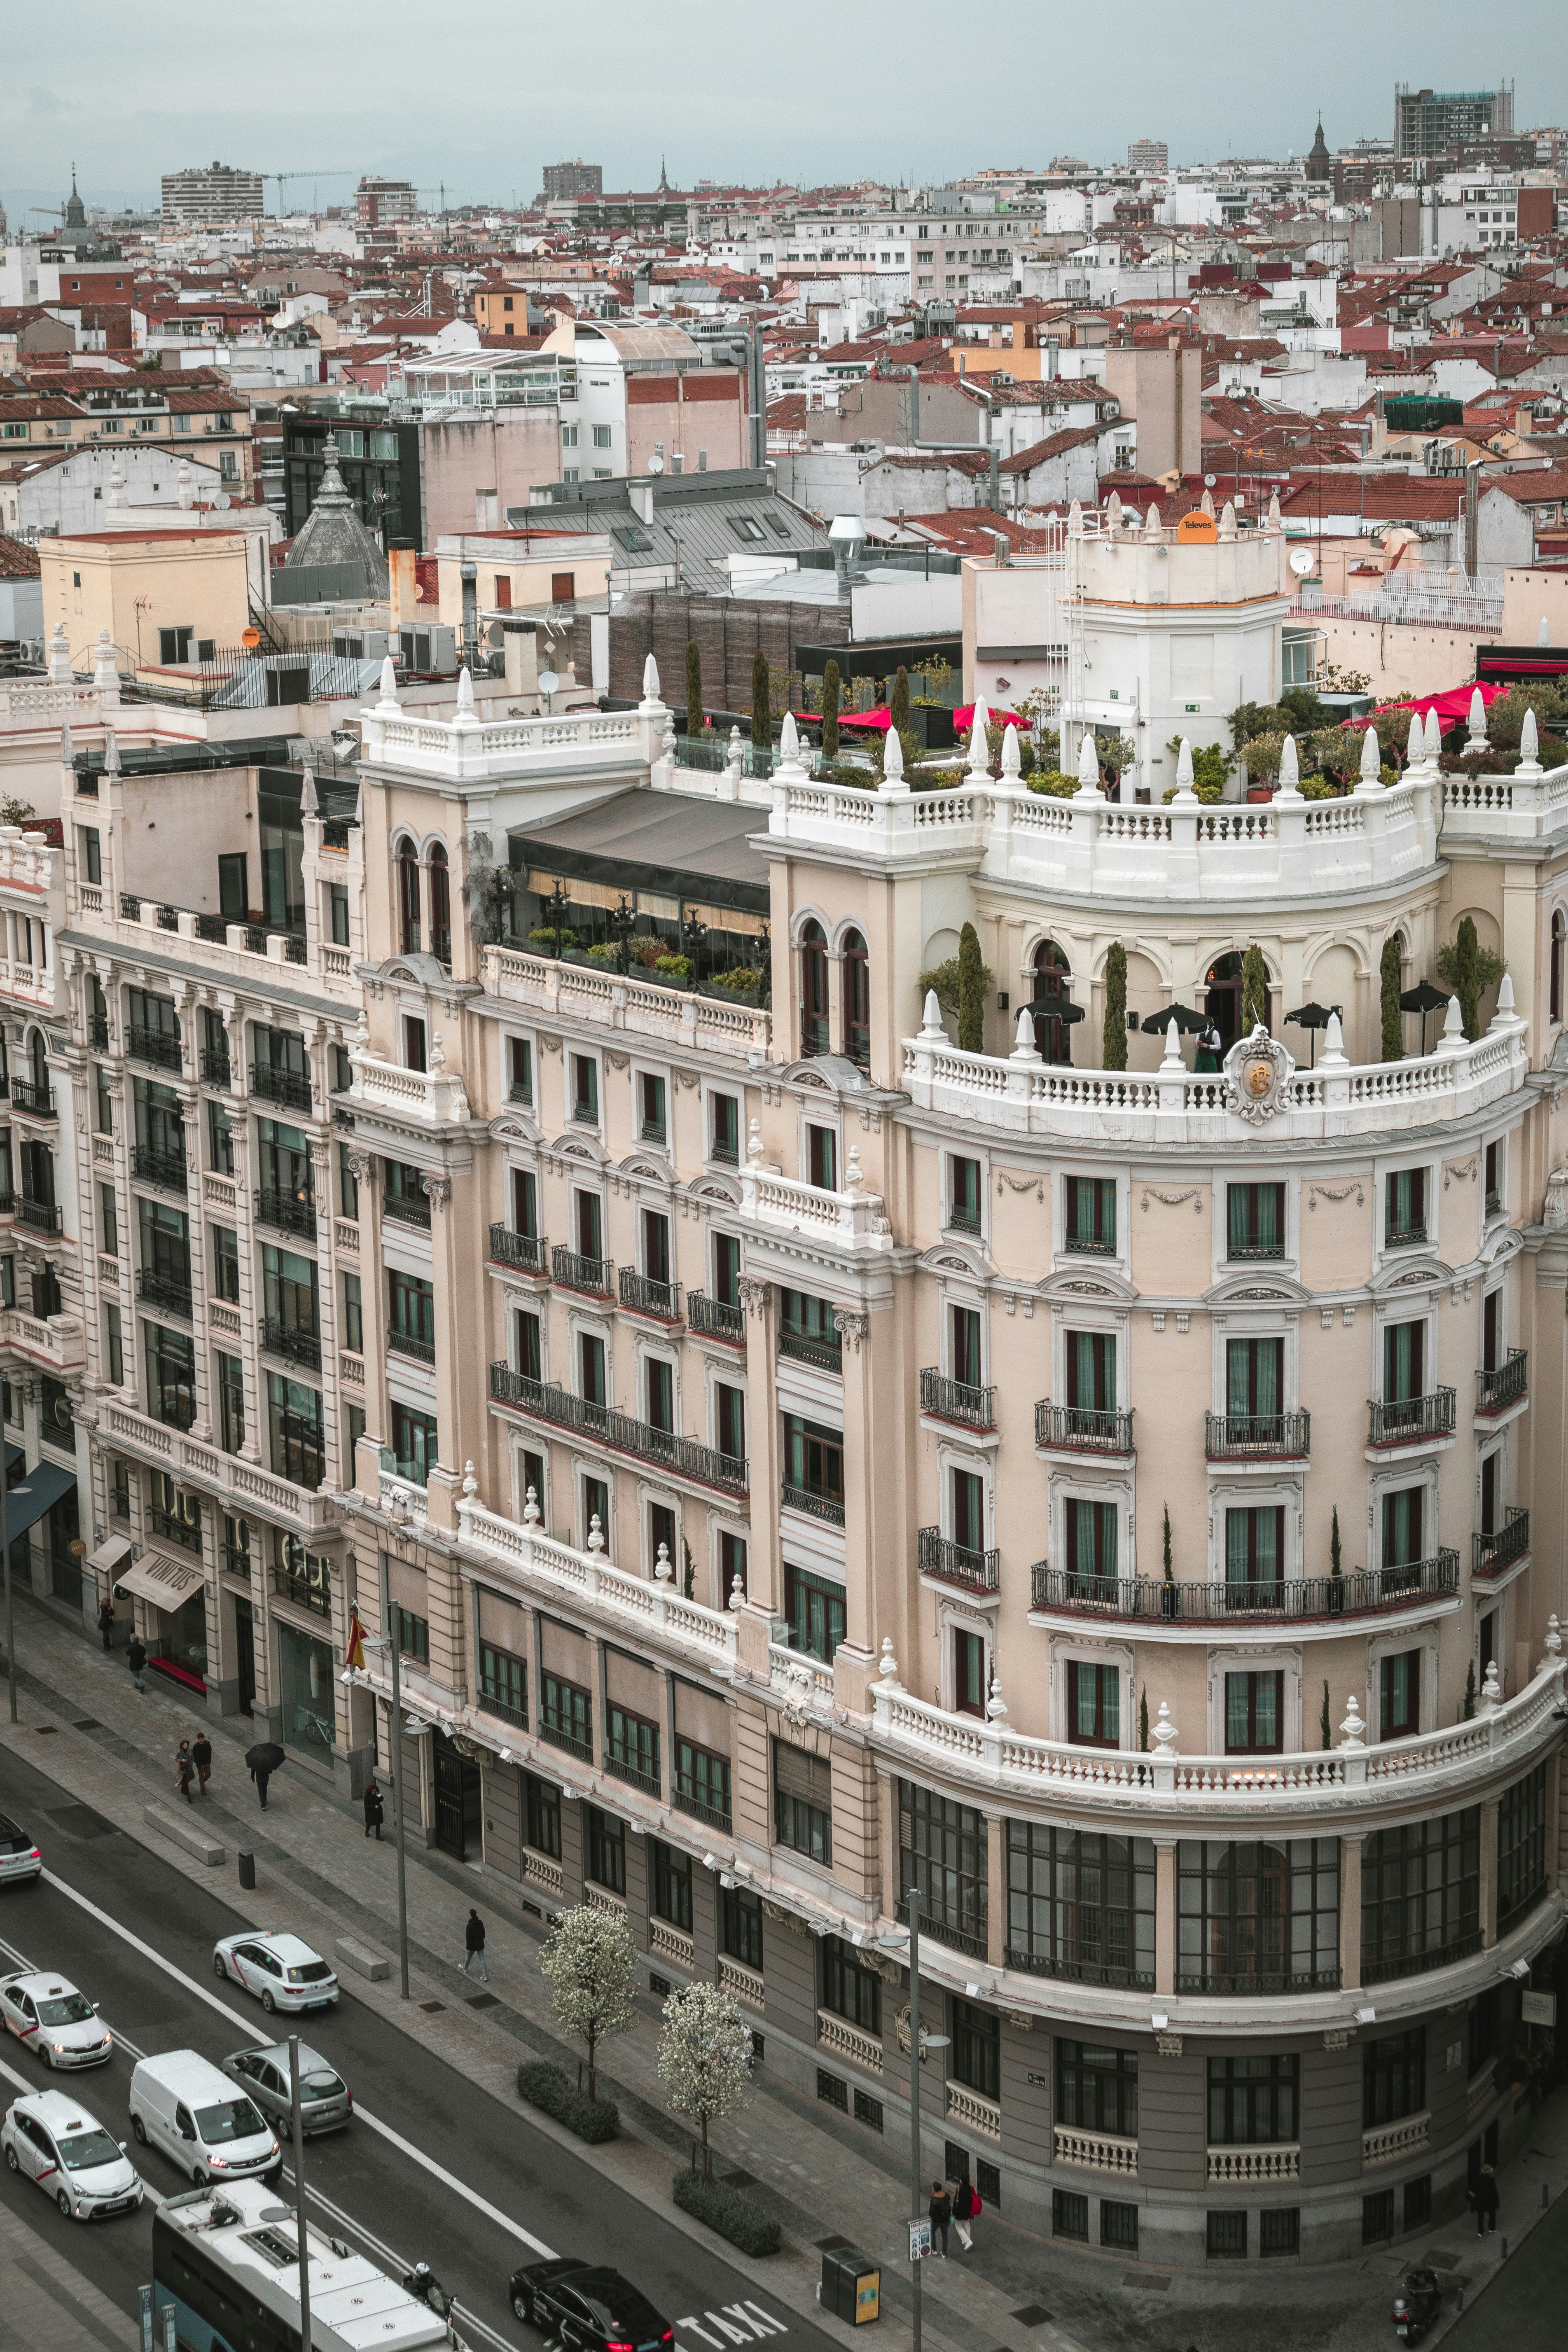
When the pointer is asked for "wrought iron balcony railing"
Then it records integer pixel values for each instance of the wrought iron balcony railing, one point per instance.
(687, 1456)
(955, 1563)
(1081, 1429)
(959, 1401)
(1410, 1421)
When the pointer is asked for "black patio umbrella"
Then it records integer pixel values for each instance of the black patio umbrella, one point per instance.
(1424, 999)
(264, 1757)
(1313, 1017)
(1053, 1008)
(1188, 1023)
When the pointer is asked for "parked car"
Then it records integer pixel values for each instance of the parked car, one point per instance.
(282, 1968)
(53, 2018)
(587, 2308)
(19, 1856)
(325, 2099)
(48, 2137)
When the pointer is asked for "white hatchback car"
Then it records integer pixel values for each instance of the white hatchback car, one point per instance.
(19, 1855)
(49, 2136)
(52, 2018)
(282, 1968)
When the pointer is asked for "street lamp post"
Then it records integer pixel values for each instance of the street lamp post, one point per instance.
(388, 1641)
(297, 2103)
(920, 2042)
(5, 1492)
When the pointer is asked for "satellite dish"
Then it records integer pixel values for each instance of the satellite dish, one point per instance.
(1209, 481)
(656, 465)
(1301, 562)
(222, 501)
(548, 681)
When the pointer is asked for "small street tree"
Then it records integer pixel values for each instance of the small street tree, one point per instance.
(1254, 992)
(1467, 967)
(592, 1965)
(1113, 1032)
(1388, 991)
(762, 703)
(693, 688)
(830, 693)
(971, 992)
(899, 701)
(705, 2059)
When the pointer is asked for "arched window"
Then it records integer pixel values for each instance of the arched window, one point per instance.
(857, 1001)
(39, 1054)
(1556, 971)
(440, 907)
(813, 990)
(1053, 987)
(1223, 1000)
(408, 896)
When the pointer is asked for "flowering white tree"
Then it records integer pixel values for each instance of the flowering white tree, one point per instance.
(592, 1965)
(705, 2058)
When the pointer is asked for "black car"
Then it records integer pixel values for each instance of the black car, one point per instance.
(587, 2308)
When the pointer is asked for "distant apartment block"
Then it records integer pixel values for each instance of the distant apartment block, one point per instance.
(1145, 155)
(211, 192)
(563, 182)
(381, 201)
(1432, 121)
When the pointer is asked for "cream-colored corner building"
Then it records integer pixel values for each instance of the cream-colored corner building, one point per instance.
(767, 1419)
(170, 597)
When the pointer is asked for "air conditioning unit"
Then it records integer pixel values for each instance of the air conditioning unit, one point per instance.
(361, 644)
(431, 651)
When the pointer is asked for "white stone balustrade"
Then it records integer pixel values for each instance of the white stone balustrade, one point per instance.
(850, 1220)
(848, 2042)
(433, 1097)
(243, 1488)
(1249, 2166)
(1096, 2151)
(466, 748)
(642, 1008)
(893, 823)
(1389, 2143)
(640, 1606)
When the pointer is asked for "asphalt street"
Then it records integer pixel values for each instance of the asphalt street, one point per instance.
(432, 2167)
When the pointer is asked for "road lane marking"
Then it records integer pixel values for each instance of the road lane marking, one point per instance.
(121, 2040)
(372, 2123)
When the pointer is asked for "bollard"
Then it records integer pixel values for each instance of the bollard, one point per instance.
(1461, 2298)
(246, 1869)
(1545, 2197)
(1503, 2256)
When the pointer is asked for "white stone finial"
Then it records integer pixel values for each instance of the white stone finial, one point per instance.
(309, 805)
(1554, 1637)
(1334, 1041)
(110, 752)
(184, 485)
(1151, 520)
(997, 1706)
(1012, 763)
(930, 1020)
(1478, 717)
(531, 1509)
(437, 1051)
(1452, 1023)
(888, 1665)
(1528, 745)
(1415, 749)
(1227, 520)
(1113, 512)
(1173, 1061)
(1206, 504)
(1503, 1017)
(1352, 1727)
(1544, 633)
(1088, 762)
(735, 752)
(596, 1535)
(1491, 1689)
(662, 1570)
(1165, 1733)
(470, 1483)
(388, 687)
(892, 757)
(1433, 737)
(789, 742)
(754, 1141)
(1289, 768)
(1074, 518)
(1184, 771)
(737, 1591)
(59, 656)
(1371, 760)
(1023, 1047)
(979, 748)
(104, 673)
(464, 693)
(854, 1175)
(650, 693)
(114, 498)
(1274, 510)
(68, 748)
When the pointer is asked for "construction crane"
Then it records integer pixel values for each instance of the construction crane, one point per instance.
(339, 171)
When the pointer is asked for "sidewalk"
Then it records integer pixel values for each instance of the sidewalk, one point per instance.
(824, 2177)
(48, 2306)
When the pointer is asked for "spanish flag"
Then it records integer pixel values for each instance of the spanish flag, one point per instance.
(356, 1642)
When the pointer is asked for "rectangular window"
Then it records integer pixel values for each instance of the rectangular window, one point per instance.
(659, 1381)
(701, 1783)
(963, 1327)
(653, 1114)
(1280, 2230)
(1069, 2215)
(969, 1673)
(1254, 1708)
(415, 1444)
(1097, 2089)
(1254, 2102)
(586, 1090)
(1404, 1362)
(1255, 1220)
(92, 853)
(108, 1220)
(724, 1129)
(596, 1508)
(848, 1987)
(815, 1610)
(1522, 1849)
(1399, 1694)
(541, 1815)
(566, 1716)
(519, 1086)
(1118, 2225)
(1080, 1906)
(672, 1897)
(732, 1564)
(1091, 1370)
(353, 1314)
(963, 1195)
(1403, 1526)
(503, 1684)
(338, 913)
(230, 1402)
(411, 1316)
(1091, 1215)
(942, 1864)
(591, 1366)
(822, 1157)
(1420, 1896)
(1254, 1389)
(1227, 2235)
(740, 1927)
(631, 1750)
(606, 1851)
(1255, 1551)
(802, 1802)
(727, 1269)
(529, 1350)
(1393, 2078)
(590, 1231)
(1492, 1188)
(976, 2048)
(171, 1376)
(114, 1352)
(1094, 1705)
(413, 1635)
(1090, 1530)
(1405, 1208)
(348, 1184)
(814, 1468)
(1258, 1918)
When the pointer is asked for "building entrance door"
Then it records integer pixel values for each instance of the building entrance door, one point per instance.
(457, 1825)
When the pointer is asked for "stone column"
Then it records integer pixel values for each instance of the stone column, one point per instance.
(1488, 1873)
(996, 1891)
(1164, 1916)
(873, 1520)
(764, 1574)
(1350, 1912)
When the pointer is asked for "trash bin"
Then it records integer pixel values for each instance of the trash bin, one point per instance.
(851, 2285)
(246, 1868)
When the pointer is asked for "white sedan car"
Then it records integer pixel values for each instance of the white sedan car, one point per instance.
(282, 1968)
(52, 2018)
(50, 2138)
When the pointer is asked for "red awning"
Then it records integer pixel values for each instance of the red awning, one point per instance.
(963, 719)
(1450, 707)
(877, 721)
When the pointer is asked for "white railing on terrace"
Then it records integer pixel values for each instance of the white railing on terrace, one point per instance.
(1396, 1773)
(851, 1219)
(1027, 1096)
(244, 1487)
(426, 1097)
(1524, 806)
(467, 748)
(640, 1605)
(39, 699)
(559, 990)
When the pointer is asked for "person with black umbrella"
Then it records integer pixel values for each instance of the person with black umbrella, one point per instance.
(262, 1761)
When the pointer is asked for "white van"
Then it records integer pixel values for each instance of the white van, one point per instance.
(201, 2121)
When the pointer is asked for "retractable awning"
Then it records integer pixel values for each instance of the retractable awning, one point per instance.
(112, 1555)
(40, 1491)
(164, 1581)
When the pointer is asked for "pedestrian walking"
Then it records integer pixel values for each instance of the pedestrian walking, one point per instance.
(106, 1623)
(941, 2214)
(474, 1945)
(262, 1774)
(966, 2209)
(1484, 2201)
(202, 1757)
(184, 1769)
(374, 1812)
(136, 1658)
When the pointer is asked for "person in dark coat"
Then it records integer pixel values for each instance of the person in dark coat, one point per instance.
(374, 1812)
(106, 1623)
(474, 1945)
(202, 1757)
(1484, 2198)
(965, 2205)
(136, 1658)
(261, 1775)
(184, 1769)
(941, 2212)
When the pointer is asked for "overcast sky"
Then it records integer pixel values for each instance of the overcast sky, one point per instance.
(481, 98)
